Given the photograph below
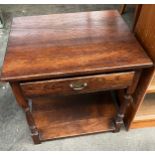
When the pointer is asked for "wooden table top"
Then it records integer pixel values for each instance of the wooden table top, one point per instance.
(63, 45)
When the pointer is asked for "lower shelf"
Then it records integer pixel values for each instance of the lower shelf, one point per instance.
(74, 115)
(145, 116)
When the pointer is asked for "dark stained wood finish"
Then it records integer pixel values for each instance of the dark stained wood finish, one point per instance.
(138, 95)
(19, 95)
(45, 57)
(145, 29)
(73, 115)
(24, 104)
(63, 45)
(131, 89)
(145, 32)
(92, 84)
(125, 98)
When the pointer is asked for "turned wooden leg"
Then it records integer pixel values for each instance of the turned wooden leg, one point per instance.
(24, 104)
(126, 99)
(121, 112)
(122, 9)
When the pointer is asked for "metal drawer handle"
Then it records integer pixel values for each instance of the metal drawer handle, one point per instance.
(78, 85)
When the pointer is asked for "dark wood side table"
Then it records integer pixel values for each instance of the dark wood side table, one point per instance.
(63, 69)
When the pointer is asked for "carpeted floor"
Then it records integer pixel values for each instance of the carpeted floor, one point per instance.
(14, 132)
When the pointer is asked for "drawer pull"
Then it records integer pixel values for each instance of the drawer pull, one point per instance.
(78, 85)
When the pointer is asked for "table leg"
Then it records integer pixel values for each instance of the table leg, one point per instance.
(127, 99)
(24, 104)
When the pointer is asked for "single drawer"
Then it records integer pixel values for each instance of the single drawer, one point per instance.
(78, 84)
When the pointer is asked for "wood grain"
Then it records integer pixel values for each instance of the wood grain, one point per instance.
(17, 91)
(93, 84)
(145, 29)
(145, 32)
(63, 45)
(138, 95)
(131, 89)
(126, 100)
(73, 115)
(24, 104)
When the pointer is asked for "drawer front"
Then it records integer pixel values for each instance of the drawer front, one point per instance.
(78, 85)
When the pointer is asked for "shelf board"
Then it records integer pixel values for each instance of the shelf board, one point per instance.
(74, 115)
(145, 116)
(151, 88)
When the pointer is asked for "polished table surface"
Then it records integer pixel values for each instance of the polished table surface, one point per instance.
(61, 49)
(63, 45)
